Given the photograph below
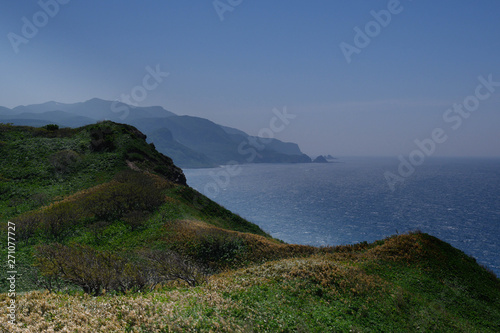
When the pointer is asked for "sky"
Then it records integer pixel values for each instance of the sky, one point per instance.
(355, 78)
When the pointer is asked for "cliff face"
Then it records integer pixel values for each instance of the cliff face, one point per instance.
(130, 144)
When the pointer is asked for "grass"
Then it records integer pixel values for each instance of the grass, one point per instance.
(75, 187)
(342, 291)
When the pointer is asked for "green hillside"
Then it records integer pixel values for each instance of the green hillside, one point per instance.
(109, 238)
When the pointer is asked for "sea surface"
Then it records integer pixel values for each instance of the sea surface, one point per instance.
(454, 199)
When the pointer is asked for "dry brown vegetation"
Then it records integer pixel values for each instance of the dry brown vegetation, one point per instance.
(346, 288)
(184, 310)
(197, 237)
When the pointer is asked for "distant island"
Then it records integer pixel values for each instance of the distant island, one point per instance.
(320, 159)
(191, 142)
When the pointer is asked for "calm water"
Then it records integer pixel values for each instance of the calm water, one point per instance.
(457, 200)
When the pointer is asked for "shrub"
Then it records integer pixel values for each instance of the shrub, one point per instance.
(62, 161)
(131, 197)
(5, 188)
(102, 140)
(117, 199)
(57, 220)
(94, 270)
(170, 265)
(135, 219)
(97, 230)
(51, 127)
(39, 281)
(78, 264)
(220, 249)
(27, 225)
(132, 156)
(40, 199)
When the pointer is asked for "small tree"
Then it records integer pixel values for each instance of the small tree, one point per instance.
(27, 225)
(57, 220)
(78, 264)
(172, 266)
(95, 270)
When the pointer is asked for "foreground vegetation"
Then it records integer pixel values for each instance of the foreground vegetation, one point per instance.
(110, 239)
(412, 283)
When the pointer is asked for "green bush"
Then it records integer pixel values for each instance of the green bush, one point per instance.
(64, 160)
(118, 199)
(135, 219)
(5, 188)
(57, 221)
(51, 127)
(218, 249)
(133, 156)
(131, 196)
(102, 139)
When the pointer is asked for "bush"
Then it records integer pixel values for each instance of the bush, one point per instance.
(97, 230)
(62, 161)
(39, 199)
(51, 127)
(132, 156)
(219, 249)
(5, 188)
(102, 140)
(131, 196)
(135, 219)
(95, 271)
(78, 264)
(57, 220)
(27, 225)
(169, 265)
(118, 199)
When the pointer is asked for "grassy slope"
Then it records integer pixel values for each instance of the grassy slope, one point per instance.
(49, 173)
(408, 283)
(405, 283)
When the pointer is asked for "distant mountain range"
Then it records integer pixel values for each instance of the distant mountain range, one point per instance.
(192, 142)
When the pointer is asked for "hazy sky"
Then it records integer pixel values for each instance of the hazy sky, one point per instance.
(237, 63)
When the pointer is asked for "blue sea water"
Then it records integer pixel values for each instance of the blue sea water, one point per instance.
(456, 200)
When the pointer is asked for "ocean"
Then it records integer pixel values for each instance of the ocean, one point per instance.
(350, 201)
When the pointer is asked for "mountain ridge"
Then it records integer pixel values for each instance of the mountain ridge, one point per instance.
(195, 141)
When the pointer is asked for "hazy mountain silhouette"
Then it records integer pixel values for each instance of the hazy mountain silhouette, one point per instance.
(189, 141)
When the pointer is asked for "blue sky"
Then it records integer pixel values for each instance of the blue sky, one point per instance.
(272, 54)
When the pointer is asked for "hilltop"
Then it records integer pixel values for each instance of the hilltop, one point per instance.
(192, 142)
(108, 225)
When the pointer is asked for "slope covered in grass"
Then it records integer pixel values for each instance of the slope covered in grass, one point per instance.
(39, 165)
(102, 190)
(109, 226)
(407, 283)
